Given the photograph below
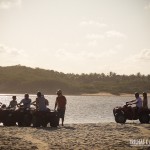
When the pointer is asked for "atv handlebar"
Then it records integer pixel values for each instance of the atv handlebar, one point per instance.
(128, 103)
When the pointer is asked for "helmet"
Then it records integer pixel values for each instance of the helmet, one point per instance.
(59, 91)
(3, 106)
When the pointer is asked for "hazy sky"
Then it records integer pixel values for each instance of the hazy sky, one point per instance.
(76, 36)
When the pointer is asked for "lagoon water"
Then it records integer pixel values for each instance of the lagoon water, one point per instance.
(83, 109)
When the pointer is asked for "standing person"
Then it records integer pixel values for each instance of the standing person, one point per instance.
(13, 102)
(60, 104)
(26, 101)
(40, 102)
(145, 100)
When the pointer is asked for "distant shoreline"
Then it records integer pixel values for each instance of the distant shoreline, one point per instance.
(110, 94)
(84, 94)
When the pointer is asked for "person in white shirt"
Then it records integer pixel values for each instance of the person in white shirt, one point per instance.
(26, 101)
(138, 102)
(40, 102)
(13, 103)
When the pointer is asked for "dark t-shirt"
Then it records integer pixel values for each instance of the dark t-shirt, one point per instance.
(61, 102)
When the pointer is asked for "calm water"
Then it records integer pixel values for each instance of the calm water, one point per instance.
(83, 109)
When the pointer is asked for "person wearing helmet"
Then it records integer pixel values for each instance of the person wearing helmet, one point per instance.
(13, 102)
(145, 101)
(40, 102)
(60, 104)
(26, 101)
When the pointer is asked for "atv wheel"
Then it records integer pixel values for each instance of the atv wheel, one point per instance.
(27, 120)
(9, 120)
(120, 118)
(36, 121)
(44, 124)
(20, 124)
(54, 122)
(144, 118)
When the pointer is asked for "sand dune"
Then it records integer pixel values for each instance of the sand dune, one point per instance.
(75, 136)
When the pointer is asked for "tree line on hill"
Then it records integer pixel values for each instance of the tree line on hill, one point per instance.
(21, 79)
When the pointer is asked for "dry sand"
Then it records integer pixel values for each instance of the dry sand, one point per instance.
(74, 136)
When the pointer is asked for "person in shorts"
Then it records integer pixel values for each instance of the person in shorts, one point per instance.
(60, 104)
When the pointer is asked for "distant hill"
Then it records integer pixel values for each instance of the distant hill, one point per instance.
(21, 79)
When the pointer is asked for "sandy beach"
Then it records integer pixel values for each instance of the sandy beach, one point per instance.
(75, 136)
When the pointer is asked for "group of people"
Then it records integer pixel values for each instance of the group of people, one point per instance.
(139, 103)
(41, 103)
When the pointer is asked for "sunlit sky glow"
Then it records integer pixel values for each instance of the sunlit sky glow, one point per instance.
(76, 36)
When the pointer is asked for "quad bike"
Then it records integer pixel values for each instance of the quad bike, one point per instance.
(7, 115)
(126, 112)
(24, 116)
(42, 118)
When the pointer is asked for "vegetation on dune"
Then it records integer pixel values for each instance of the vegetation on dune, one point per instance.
(21, 79)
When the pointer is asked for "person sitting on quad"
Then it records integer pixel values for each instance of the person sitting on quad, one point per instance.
(145, 101)
(61, 105)
(2, 106)
(26, 101)
(137, 101)
(0, 103)
(13, 102)
(46, 102)
(40, 102)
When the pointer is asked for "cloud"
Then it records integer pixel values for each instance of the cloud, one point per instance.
(83, 55)
(95, 36)
(2, 49)
(6, 4)
(93, 43)
(9, 51)
(93, 23)
(144, 55)
(147, 7)
(115, 34)
(107, 34)
(13, 56)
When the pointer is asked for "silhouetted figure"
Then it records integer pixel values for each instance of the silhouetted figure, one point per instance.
(145, 100)
(26, 101)
(60, 104)
(138, 102)
(40, 102)
(13, 102)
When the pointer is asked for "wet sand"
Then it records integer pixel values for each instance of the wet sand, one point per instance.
(75, 136)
